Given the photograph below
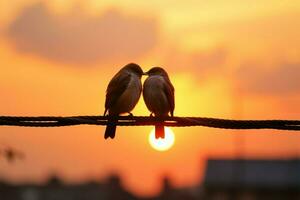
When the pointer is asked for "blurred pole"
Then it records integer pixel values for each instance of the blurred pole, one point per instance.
(239, 141)
(237, 113)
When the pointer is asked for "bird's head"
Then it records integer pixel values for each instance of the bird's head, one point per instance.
(134, 68)
(157, 71)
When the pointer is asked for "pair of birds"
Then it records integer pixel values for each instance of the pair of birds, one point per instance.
(125, 88)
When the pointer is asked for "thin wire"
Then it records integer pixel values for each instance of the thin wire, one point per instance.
(50, 121)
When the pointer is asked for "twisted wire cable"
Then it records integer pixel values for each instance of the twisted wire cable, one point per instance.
(52, 121)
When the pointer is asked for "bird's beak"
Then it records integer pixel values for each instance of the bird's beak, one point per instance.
(145, 73)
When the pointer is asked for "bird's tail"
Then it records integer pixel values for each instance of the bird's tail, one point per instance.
(159, 131)
(110, 130)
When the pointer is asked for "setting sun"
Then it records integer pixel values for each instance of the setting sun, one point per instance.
(162, 144)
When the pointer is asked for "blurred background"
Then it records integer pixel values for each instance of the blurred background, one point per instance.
(226, 59)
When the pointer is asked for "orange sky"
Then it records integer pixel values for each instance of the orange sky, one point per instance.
(57, 58)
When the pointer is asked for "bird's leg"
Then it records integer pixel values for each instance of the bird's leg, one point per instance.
(105, 113)
(130, 114)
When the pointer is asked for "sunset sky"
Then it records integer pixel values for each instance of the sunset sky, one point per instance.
(226, 59)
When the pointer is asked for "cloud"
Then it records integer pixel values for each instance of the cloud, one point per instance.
(78, 38)
(281, 80)
(201, 63)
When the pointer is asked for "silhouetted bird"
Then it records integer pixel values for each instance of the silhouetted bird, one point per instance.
(158, 95)
(11, 154)
(122, 94)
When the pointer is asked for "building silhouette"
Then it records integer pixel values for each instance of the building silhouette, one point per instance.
(55, 189)
(258, 179)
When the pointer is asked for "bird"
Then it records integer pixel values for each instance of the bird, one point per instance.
(11, 154)
(158, 94)
(122, 94)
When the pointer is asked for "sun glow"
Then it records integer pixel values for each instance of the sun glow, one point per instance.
(162, 144)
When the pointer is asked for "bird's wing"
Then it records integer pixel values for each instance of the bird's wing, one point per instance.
(115, 88)
(169, 91)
